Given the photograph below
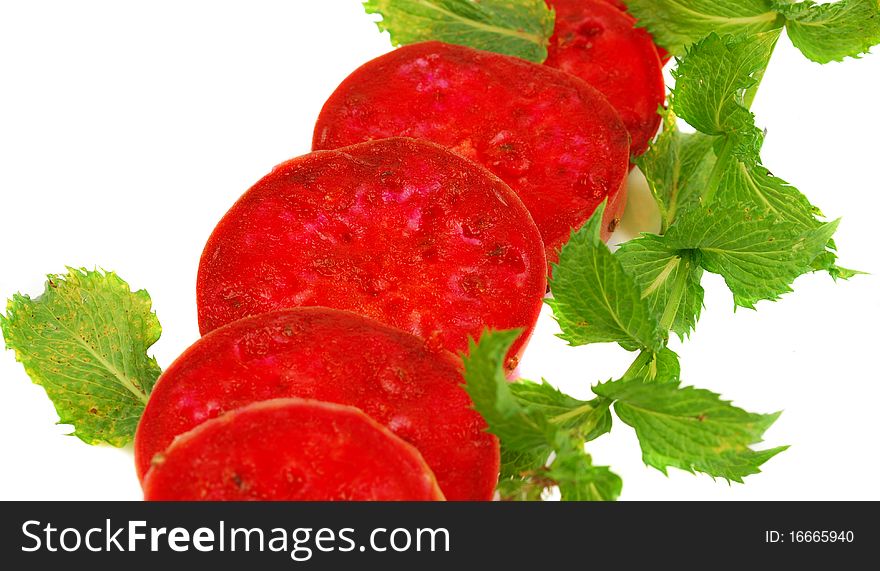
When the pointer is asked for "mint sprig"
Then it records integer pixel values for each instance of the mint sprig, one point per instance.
(729, 170)
(676, 24)
(595, 300)
(735, 64)
(543, 431)
(677, 167)
(832, 32)
(668, 278)
(822, 32)
(650, 367)
(519, 28)
(85, 341)
(533, 424)
(758, 253)
(691, 429)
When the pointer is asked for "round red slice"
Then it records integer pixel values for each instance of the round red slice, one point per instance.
(554, 139)
(600, 44)
(399, 230)
(334, 356)
(290, 449)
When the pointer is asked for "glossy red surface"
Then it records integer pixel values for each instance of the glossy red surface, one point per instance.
(399, 230)
(290, 449)
(600, 44)
(554, 139)
(620, 5)
(334, 356)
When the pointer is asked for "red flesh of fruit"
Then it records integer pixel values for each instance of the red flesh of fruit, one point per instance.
(334, 356)
(290, 449)
(600, 44)
(620, 5)
(399, 230)
(554, 139)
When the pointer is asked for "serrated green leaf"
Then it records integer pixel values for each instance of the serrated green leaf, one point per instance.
(716, 103)
(579, 480)
(649, 367)
(532, 421)
(676, 24)
(758, 255)
(832, 32)
(520, 28)
(544, 397)
(586, 419)
(712, 82)
(595, 300)
(691, 429)
(677, 167)
(669, 280)
(519, 429)
(85, 341)
(746, 182)
(712, 79)
(522, 464)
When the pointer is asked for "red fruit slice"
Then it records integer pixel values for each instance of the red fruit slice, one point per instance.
(620, 5)
(290, 449)
(332, 356)
(399, 230)
(554, 139)
(600, 44)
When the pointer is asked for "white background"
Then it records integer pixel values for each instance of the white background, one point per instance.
(128, 128)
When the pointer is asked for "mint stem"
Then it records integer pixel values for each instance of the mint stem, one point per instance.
(585, 408)
(717, 171)
(674, 301)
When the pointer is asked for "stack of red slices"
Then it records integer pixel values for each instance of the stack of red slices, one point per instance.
(337, 294)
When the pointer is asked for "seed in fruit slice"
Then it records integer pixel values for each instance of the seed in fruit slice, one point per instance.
(554, 139)
(399, 230)
(290, 449)
(334, 356)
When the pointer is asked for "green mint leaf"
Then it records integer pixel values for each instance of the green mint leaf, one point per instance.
(527, 488)
(594, 423)
(522, 464)
(744, 180)
(831, 32)
(712, 79)
(727, 171)
(587, 419)
(669, 280)
(691, 429)
(533, 420)
(676, 24)
(544, 397)
(595, 300)
(524, 433)
(85, 341)
(722, 162)
(758, 255)
(677, 167)
(572, 471)
(649, 367)
(520, 28)
(711, 86)
(578, 479)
